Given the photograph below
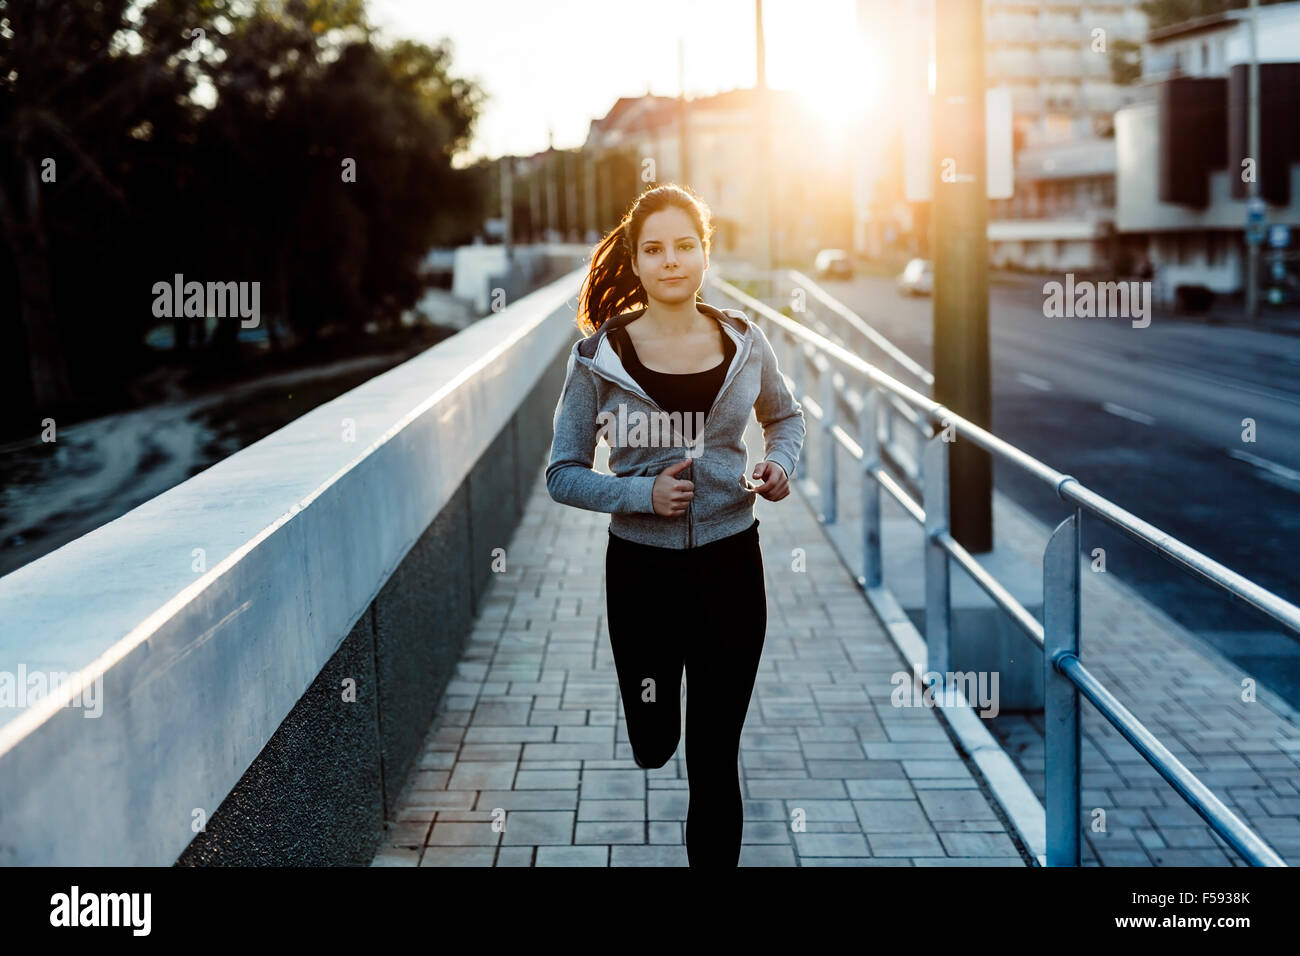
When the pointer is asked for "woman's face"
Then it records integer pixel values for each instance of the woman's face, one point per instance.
(670, 260)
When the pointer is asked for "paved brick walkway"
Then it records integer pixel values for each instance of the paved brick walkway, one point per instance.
(532, 725)
(1180, 687)
(1189, 696)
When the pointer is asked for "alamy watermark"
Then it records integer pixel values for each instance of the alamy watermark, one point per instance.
(1101, 300)
(129, 910)
(980, 688)
(179, 299)
(638, 429)
(24, 688)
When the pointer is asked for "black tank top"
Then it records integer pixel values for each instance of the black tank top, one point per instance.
(685, 392)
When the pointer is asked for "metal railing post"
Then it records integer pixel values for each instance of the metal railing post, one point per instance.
(889, 428)
(797, 378)
(1057, 633)
(1060, 696)
(829, 401)
(938, 624)
(870, 440)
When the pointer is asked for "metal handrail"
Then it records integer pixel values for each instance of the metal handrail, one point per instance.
(1065, 676)
(871, 335)
(1068, 488)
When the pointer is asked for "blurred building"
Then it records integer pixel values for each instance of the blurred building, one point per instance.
(1055, 58)
(1181, 190)
(808, 186)
(1062, 215)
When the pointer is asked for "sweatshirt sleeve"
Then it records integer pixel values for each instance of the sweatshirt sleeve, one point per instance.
(778, 411)
(570, 478)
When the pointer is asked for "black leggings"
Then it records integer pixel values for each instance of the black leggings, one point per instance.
(704, 608)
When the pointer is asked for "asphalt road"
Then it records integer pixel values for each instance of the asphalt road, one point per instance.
(1152, 419)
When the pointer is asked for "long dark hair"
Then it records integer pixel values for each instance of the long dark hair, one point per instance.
(611, 287)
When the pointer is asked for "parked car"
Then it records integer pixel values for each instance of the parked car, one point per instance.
(1181, 289)
(917, 278)
(1193, 297)
(833, 264)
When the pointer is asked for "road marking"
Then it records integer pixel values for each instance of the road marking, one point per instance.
(1272, 467)
(1033, 381)
(1141, 418)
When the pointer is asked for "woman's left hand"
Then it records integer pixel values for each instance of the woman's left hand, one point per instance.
(775, 485)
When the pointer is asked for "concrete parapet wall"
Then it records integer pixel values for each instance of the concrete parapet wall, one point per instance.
(222, 622)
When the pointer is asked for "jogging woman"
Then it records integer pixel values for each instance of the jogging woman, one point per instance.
(669, 383)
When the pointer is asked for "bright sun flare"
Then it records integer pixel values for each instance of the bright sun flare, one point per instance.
(834, 77)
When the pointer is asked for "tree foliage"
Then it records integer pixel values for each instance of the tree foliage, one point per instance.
(133, 148)
(1125, 62)
(1164, 13)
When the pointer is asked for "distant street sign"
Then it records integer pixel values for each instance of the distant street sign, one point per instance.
(1254, 221)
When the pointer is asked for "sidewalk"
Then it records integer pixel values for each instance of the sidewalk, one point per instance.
(1189, 696)
(532, 727)
(1185, 693)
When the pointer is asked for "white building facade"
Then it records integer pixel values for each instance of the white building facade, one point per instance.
(1180, 199)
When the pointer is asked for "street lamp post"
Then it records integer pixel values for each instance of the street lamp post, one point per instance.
(507, 203)
(763, 106)
(961, 290)
(1252, 187)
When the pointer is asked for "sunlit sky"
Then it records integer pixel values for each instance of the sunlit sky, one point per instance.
(559, 64)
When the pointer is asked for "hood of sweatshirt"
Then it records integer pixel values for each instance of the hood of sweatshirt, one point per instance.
(596, 352)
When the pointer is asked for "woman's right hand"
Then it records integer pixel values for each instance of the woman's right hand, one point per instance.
(671, 494)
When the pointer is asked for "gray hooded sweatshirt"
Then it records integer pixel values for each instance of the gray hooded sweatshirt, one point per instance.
(600, 400)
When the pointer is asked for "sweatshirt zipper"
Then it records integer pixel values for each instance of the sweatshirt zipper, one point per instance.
(650, 401)
(733, 373)
(690, 513)
(690, 508)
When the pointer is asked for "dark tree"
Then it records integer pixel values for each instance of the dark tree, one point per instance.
(219, 155)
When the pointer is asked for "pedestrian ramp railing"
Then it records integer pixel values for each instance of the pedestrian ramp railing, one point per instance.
(919, 456)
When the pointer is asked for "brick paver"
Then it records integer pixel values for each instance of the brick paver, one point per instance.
(1181, 688)
(531, 730)
(1190, 697)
